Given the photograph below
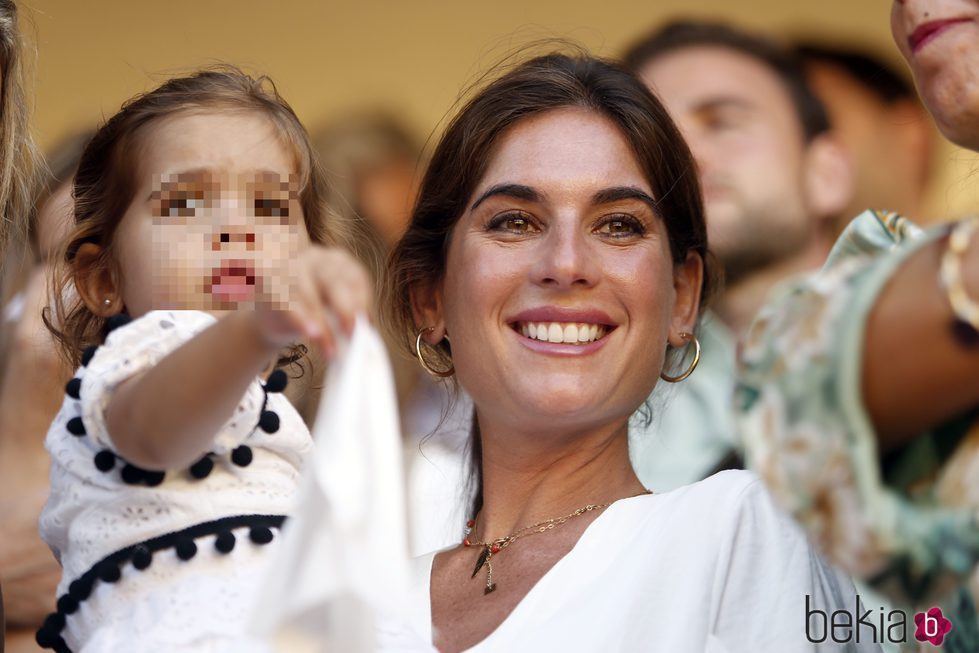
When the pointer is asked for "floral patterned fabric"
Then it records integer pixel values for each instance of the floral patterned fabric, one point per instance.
(908, 523)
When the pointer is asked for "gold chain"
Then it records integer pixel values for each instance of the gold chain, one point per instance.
(495, 546)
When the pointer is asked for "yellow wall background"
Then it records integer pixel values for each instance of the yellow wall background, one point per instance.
(410, 56)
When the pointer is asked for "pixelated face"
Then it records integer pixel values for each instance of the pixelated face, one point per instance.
(216, 218)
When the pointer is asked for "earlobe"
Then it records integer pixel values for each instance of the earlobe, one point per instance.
(829, 178)
(94, 281)
(688, 278)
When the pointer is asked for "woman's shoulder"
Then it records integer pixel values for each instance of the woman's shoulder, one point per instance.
(720, 491)
(720, 505)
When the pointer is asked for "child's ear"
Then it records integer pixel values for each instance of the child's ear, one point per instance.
(95, 281)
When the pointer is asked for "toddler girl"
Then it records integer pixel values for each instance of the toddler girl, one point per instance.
(196, 264)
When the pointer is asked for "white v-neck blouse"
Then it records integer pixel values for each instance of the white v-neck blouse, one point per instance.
(710, 567)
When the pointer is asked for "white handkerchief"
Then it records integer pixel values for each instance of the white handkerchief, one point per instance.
(343, 560)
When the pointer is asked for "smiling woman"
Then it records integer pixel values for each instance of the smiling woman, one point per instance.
(559, 241)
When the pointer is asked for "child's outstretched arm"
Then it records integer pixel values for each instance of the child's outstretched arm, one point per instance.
(167, 416)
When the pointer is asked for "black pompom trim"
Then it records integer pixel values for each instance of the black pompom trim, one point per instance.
(269, 421)
(186, 548)
(81, 588)
(67, 604)
(74, 388)
(87, 354)
(76, 426)
(116, 321)
(260, 534)
(277, 381)
(242, 456)
(105, 460)
(225, 542)
(202, 467)
(142, 557)
(108, 572)
(109, 568)
(131, 474)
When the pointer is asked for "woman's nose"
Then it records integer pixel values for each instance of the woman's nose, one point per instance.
(567, 259)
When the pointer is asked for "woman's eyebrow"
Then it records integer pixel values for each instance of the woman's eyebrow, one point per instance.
(518, 191)
(619, 193)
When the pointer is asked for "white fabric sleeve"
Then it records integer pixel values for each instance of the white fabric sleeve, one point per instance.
(137, 346)
(768, 578)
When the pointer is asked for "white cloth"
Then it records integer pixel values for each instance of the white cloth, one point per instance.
(173, 605)
(344, 556)
(712, 566)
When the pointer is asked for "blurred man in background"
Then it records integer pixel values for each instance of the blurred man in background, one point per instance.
(775, 181)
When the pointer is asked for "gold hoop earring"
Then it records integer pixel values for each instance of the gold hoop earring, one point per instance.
(693, 365)
(418, 352)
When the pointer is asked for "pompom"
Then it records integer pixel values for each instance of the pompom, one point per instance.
(186, 548)
(80, 589)
(54, 621)
(142, 557)
(269, 421)
(105, 460)
(47, 637)
(242, 456)
(153, 478)
(202, 467)
(76, 427)
(260, 534)
(87, 354)
(131, 474)
(108, 572)
(74, 388)
(225, 542)
(277, 381)
(67, 604)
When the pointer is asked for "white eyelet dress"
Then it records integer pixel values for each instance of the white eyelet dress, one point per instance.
(159, 560)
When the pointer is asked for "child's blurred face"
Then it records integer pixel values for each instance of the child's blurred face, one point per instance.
(215, 219)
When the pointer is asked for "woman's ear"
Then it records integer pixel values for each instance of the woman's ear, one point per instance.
(426, 308)
(688, 278)
(95, 281)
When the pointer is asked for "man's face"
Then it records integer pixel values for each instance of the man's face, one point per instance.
(745, 134)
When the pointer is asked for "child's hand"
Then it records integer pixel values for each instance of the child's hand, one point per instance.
(327, 289)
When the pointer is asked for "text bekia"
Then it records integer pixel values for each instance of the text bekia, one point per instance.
(843, 626)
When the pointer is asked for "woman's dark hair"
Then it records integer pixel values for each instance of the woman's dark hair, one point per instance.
(460, 159)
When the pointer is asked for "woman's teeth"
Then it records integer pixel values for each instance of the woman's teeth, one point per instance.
(562, 332)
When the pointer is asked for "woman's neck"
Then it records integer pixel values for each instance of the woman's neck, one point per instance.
(529, 478)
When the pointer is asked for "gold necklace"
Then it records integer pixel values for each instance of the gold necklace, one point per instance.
(493, 547)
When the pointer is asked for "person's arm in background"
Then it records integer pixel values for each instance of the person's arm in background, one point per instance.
(853, 403)
(31, 391)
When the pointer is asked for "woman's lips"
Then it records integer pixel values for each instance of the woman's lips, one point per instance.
(928, 32)
(233, 281)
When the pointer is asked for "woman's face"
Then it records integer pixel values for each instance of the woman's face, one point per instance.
(560, 293)
(940, 40)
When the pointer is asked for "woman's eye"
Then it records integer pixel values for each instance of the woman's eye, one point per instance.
(620, 227)
(271, 208)
(513, 223)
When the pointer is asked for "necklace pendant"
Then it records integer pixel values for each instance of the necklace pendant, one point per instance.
(489, 588)
(483, 557)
